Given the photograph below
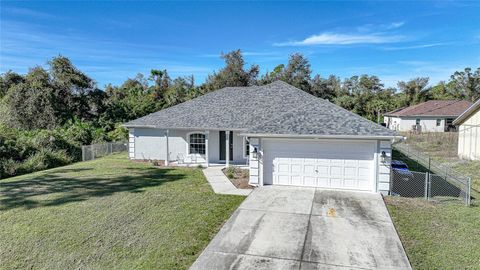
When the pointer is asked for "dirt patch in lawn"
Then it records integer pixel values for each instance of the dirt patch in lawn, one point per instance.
(238, 177)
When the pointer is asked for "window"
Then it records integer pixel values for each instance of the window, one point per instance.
(196, 143)
(417, 122)
(246, 148)
(439, 122)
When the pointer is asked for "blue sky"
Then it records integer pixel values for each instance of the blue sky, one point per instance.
(112, 41)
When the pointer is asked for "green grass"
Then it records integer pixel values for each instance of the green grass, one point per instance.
(437, 236)
(108, 213)
(442, 147)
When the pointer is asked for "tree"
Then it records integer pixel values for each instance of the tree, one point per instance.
(326, 88)
(233, 74)
(467, 83)
(297, 72)
(270, 77)
(71, 90)
(7, 80)
(415, 90)
(30, 104)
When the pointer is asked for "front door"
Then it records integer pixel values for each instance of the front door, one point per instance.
(223, 149)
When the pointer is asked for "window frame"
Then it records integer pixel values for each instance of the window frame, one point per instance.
(189, 143)
(246, 148)
(439, 122)
(417, 121)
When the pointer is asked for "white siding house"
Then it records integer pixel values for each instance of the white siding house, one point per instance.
(430, 116)
(306, 141)
(469, 133)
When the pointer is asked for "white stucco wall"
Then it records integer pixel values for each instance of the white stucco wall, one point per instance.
(428, 124)
(469, 138)
(150, 144)
(381, 170)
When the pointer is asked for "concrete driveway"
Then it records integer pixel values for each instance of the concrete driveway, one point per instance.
(306, 228)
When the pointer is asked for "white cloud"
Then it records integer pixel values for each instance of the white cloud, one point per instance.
(343, 39)
(421, 46)
(395, 25)
(29, 13)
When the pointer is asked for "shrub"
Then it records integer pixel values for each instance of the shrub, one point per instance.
(44, 159)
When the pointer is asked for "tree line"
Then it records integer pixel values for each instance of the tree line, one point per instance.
(48, 113)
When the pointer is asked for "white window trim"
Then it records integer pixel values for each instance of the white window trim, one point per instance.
(244, 148)
(188, 142)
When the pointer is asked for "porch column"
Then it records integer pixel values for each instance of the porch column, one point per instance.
(206, 147)
(227, 145)
(168, 152)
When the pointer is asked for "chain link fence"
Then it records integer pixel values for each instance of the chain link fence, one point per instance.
(429, 186)
(432, 181)
(94, 151)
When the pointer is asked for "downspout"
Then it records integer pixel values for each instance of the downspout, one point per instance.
(168, 152)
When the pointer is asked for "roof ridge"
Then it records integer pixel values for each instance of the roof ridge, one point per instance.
(317, 99)
(279, 115)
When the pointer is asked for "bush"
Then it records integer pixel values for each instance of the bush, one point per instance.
(44, 159)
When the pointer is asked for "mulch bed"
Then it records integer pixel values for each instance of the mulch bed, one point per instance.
(240, 177)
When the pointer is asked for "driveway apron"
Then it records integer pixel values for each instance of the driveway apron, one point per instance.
(306, 228)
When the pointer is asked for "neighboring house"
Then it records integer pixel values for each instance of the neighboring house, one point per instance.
(469, 132)
(285, 135)
(430, 116)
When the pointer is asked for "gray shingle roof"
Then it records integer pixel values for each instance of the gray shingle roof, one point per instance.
(276, 108)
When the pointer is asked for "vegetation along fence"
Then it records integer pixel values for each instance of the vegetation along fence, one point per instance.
(94, 151)
(432, 181)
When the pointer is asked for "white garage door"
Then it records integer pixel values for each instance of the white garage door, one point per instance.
(327, 164)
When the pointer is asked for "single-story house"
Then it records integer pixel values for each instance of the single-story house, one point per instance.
(285, 136)
(469, 132)
(430, 116)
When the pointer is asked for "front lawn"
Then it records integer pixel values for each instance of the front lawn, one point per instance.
(108, 213)
(437, 236)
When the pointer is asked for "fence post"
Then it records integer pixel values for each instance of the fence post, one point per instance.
(83, 153)
(469, 187)
(92, 151)
(429, 186)
(426, 185)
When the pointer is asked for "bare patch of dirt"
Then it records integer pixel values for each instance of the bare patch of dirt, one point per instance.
(238, 177)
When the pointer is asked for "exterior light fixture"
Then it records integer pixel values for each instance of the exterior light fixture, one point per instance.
(383, 157)
(254, 153)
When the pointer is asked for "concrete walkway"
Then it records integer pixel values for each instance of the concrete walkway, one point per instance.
(306, 228)
(220, 183)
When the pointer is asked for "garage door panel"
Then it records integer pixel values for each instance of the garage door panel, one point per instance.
(363, 173)
(283, 167)
(296, 180)
(336, 170)
(310, 181)
(350, 172)
(283, 179)
(346, 165)
(350, 183)
(296, 168)
(322, 170)
(364, 163)
(309, 169)
(336, 182)
(337, 161)
(323, 182)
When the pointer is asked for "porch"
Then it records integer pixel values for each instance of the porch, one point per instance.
(207, 148)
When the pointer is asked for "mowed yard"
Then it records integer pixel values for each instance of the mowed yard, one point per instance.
(109, 213)
(439, 235)
(443, 147)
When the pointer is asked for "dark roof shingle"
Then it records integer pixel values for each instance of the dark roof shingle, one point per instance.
(276, 108)
(434, 108)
